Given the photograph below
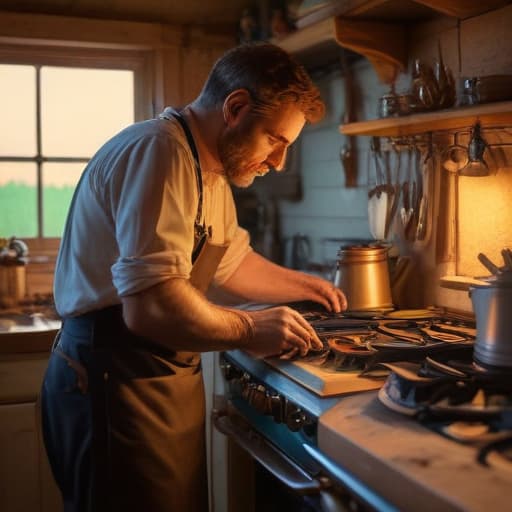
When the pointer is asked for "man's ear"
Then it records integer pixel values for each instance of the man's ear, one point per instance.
(236, 106)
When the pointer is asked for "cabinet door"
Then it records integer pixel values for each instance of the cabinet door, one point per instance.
(19, 462)
(26, 483)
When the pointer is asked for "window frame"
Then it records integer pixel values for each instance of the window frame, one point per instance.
(138, 61)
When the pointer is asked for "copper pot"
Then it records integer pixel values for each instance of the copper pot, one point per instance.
(362, 273)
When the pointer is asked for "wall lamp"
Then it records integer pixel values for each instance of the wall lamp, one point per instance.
(470, 160)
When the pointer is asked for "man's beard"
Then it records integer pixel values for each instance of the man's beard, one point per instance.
(234, 148)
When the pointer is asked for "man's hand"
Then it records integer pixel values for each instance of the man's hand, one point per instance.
(281, 330)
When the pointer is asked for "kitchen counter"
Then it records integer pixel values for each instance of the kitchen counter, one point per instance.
(412, 467)
(26, 337)
(27, 330)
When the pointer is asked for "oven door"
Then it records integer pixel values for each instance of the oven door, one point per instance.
(278, 483)
(282, 484)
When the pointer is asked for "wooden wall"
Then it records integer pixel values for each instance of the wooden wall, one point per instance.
(476, 46)
(174, 63)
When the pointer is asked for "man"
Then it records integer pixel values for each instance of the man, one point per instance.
(151, 224)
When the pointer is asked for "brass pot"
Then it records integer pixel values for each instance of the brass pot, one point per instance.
(362, 273)
(12, 284)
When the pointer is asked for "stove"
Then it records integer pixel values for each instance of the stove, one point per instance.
(276, 406)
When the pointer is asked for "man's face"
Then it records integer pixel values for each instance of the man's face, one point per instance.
(256, 144)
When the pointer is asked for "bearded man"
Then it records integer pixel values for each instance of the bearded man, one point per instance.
(151, 226)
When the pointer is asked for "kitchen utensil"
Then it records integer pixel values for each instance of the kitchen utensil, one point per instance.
(389, 105)
(407, 210)
(363, 275)
(424, 209)
(487, 263)
(417, 194)
(394, 190)
(492, 304)
(455, 157)
(300, 251)
(377, 212)
(378, 193)
(484, 89)
(507, 258)
(348, 153)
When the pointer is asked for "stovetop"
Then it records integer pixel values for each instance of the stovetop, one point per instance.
(362, 340)
(437, 415)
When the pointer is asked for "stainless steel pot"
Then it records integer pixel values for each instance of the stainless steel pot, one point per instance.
(362, 273)
(492, 305)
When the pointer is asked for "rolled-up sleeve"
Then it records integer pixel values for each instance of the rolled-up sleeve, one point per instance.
(154, 209)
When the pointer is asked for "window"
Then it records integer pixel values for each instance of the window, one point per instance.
(53, 120)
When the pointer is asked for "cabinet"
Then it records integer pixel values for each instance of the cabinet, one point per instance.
(376, 29)
(26, 483)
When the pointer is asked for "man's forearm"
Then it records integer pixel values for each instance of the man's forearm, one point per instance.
(258, 279)
(261, 280)
(176, 315)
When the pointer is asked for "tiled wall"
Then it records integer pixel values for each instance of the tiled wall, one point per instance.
(328, 209)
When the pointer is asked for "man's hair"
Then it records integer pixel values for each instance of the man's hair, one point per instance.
(270, 74)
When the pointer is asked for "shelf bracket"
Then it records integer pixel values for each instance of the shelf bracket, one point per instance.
(382, 43)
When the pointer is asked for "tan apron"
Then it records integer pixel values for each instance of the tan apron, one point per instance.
(149, 446)
(149, 415)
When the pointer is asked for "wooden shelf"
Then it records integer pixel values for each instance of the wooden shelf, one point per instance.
(309, 37)
(489, 114)
(375, 29)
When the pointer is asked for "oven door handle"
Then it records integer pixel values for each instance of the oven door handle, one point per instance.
(279, 465)
(350, 483)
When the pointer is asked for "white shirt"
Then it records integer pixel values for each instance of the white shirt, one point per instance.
(131, 224)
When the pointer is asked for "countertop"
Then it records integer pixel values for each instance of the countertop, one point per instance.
(409, 465)
(28, 329)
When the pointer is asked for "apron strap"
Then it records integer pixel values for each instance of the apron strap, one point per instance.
(199, 229)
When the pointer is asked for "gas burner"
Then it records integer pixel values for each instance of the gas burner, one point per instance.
(362, 343)
(458, 399)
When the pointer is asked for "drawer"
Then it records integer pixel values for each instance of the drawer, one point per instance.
(21, 379)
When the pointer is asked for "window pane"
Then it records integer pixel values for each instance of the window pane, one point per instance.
(82, 108)
(18, 199)
(18, 108)
(59, 182)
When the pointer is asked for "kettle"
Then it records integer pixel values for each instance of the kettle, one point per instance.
(362, 273)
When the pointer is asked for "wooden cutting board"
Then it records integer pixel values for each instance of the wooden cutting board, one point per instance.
(325, 380)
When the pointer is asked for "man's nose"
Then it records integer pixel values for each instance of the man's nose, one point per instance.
(277, 158)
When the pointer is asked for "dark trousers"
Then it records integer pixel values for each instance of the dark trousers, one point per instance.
(67, 417)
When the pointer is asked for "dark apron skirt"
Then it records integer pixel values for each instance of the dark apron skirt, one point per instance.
(124, 420)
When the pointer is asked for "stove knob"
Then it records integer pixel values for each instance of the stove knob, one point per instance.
(229, 371)
(295, 417)
(277, 407)
(256, 395)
